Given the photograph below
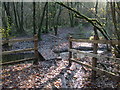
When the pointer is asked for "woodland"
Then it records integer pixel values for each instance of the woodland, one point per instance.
(54, 45)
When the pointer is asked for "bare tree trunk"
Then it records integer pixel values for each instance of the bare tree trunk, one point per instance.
(107, 24)
(41, 22)
(46, 31)
(21, 25)
(16, 19)
(114, 18)
(34, 18)
(58, 16)
(56, 20)
(4, 21)
(7, 6)
(17, 13)
(71, 15)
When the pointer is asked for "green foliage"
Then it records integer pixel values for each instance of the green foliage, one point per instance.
(5, 32)
(91, 38)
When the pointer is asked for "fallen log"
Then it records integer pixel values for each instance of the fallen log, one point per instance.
(77, 48)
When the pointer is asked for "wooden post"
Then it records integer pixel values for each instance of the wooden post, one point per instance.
(36, 48)
(70, 53)
(94, 60)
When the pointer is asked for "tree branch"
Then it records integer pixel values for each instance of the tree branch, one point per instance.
(98, 26)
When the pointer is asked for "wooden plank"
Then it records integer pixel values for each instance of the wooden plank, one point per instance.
(17, 61)
(17, 51)
(117, 60)
(17, 40)
(83, 48)
(97, 69)
(112, 42)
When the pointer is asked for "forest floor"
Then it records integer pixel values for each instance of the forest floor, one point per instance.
(54, 73)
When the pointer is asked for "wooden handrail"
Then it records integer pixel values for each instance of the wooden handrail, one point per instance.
(17, 61)
(113, 42)
(17, 40)
(17, 51)
(95, 55)
(96, 69)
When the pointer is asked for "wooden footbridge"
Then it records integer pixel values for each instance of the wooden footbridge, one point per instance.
(95, 56)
